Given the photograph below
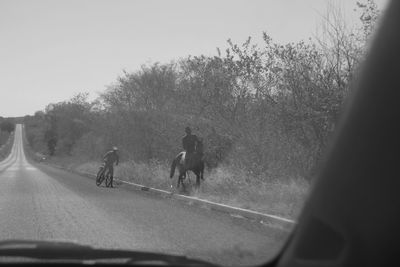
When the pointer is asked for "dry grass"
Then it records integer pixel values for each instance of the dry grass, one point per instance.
(227, 185)
(283, 197)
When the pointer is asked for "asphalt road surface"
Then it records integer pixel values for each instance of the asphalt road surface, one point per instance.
(40, 202)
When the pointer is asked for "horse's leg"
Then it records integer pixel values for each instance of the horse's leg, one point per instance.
(183, 176)
(179, 175)
(202, 170)
(197, 179)
(179, 181)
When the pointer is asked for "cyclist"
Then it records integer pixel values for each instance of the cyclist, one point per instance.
(110, 158)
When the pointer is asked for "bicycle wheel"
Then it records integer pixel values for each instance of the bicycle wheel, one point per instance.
(100, 177)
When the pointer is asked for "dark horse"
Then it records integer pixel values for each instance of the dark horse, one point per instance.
(196, 166)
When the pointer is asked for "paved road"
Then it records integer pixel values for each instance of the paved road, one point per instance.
(41, 202)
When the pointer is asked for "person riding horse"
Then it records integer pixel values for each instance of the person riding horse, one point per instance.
(191, 159)
(190, 144)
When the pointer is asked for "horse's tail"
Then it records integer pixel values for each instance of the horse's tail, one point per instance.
(173, 165)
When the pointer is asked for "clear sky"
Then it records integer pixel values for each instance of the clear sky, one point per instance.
(53, 49)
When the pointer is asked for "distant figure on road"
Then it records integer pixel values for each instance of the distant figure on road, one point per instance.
(110, 158)
(189, 143)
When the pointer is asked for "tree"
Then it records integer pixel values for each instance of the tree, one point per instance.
(7, 125)
(269, 108)
(66, 122)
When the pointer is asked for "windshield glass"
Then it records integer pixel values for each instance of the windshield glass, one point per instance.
(180, 127)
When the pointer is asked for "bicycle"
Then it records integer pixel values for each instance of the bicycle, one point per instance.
(103, 174)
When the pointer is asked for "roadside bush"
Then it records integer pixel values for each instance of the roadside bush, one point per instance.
(6, 147)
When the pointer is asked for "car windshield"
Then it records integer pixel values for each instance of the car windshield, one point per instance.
(187, 128)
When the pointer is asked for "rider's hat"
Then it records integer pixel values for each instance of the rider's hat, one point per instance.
(188, 130)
